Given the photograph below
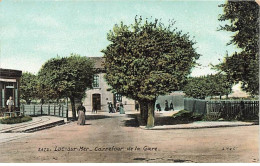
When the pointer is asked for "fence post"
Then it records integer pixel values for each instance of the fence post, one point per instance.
(34, 110)
(67, 112)
(207, 107)
(23, 109)
(41, 109)
(54, 109)
(49, 109)
(62, 110)
(59, 110)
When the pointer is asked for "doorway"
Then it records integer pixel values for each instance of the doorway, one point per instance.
(9, 92)
(96, 101)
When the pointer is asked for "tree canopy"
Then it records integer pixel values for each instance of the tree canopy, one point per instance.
(28, 87)
(210, 85)
(147, 59)
(242, 66)
(68, 77)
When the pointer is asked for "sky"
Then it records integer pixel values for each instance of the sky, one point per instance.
(33, 31)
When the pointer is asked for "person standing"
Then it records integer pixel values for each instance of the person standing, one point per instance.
(10, 104)
(94, 110)
(137, 106)
(121, 108)
(171, 106)
(110, 107)
(117, 106)
(81, 114)
(166, 106)
(158, 107)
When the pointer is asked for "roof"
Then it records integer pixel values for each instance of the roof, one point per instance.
(99, 62)
(9, 73)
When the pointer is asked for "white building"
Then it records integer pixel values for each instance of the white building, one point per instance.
(99, 94)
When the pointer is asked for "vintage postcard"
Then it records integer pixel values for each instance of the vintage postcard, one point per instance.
(129, 81)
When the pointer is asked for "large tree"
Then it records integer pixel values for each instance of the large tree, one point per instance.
(243, 17)
(28, 87)
(147, 59)
(210, 85)
(68, 77)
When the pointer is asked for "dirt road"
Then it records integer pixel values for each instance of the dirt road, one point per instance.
(117, 138)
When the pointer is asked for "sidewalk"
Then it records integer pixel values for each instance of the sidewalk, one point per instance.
(37, 123)
(194, 125)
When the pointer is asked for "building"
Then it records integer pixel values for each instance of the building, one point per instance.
(9, 86)
(100, 95)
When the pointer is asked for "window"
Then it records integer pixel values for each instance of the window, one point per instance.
(96, 81)
(118, 97)
(9, 84)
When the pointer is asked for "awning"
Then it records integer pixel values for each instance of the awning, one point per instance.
(7, 80)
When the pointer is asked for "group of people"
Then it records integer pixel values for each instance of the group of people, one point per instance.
(166, 108)
(119, 108)
(81, 110)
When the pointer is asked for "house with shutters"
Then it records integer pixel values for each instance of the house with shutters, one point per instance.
(99, 94)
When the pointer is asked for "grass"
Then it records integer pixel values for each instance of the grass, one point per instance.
(14, 120)
(184, 115)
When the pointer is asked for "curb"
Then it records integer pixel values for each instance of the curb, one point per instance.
(195, 127)
(192, 127)
(37, 128)
(46, 126)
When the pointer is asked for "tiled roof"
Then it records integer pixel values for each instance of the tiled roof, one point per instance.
(99, 62)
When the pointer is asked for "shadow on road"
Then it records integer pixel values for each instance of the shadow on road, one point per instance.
(160, 121)
(136, 121)
(96, 117)
(133, 122)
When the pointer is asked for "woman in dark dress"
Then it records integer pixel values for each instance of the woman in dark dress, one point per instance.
(166, 108)
(81, 114)
(171, 106)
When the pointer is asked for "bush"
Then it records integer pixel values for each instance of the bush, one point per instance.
(185, 115)
(14, 120)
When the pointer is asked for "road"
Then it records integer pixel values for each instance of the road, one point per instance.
(117, 138)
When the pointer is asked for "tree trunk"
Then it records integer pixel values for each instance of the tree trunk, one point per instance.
(72, 101)
(42, 101)
(150, 118)
(143, 110)
(28, 101)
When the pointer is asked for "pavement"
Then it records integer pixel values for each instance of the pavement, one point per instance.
(194, 125)
(37, 123)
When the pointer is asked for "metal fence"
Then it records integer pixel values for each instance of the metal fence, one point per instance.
(233, 108)
(51, 109)
(195, 105)
(223, 108)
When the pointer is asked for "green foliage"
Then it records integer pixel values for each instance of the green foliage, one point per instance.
(147, 59)
(242, 66)
(184, 115)
(28, 87)
(67, 76)
(14, 120)
(210, 85)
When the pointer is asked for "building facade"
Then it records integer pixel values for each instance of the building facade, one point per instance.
(9, 86)
(99, 94)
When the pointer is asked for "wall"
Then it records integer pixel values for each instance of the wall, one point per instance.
(105, 97)
(177, 99)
